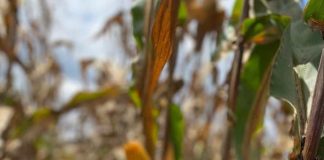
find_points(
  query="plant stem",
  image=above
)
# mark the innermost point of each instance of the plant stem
(144, 79)
(172, 65)
(316, 119)
(234, 82)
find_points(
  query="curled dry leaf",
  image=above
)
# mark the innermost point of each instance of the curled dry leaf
(162, 40)
(163, 37)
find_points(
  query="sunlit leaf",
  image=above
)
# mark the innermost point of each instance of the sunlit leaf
(88, 97)
(264, 29)
(314, 11)
(314, 14)
(135, 97)
(182, 15)
(41, 113)
(236, 12)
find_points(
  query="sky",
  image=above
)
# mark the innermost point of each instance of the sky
(78, 21)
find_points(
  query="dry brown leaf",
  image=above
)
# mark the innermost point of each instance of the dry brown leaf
(210, 18)
(163, 37)
(117, 19)
(162, 40)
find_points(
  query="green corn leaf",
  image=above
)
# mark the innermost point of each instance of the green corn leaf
(255, 79)
(314, 10)
(177, 130)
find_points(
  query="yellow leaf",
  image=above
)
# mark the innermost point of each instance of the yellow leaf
(159, 51)
(163, 36)
(135, 151)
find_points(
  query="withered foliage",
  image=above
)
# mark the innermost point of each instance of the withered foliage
(169, 103)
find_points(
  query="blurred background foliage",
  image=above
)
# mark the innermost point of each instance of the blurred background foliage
(139, 80)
